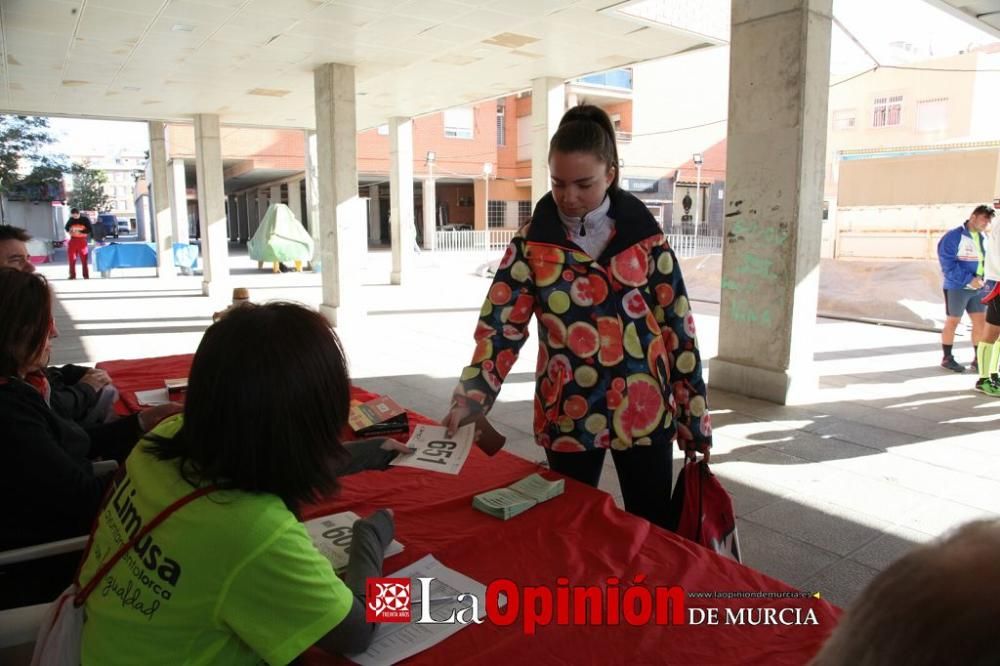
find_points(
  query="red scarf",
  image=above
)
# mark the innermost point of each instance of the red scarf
(40, 382)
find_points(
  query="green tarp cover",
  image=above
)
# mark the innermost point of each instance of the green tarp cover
(280, 237)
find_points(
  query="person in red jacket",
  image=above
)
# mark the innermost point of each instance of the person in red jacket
(80, 232)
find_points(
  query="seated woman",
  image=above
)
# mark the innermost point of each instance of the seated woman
(232, 576)
(47, 472)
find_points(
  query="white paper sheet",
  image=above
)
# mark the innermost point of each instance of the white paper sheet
(436, 452)
(333, 535)
(153, 397)
(394, 642)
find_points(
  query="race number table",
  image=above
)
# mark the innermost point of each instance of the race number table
(580, 535)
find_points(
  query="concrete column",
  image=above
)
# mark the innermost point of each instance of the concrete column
(262, 204)
(779, 74)
(430, 212)
(374, 214)
(275, 194)
(341, 224)
(233, 218)
(295, 198)
(243, 222)
(548, 101)
(312, 190)
(160, 201)
(178, 201)
(211, 206)
(401, 196)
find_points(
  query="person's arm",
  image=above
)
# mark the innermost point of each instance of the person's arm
(953, 269)
(70, 398)
(500, 334)
(62, 486)
(284, 596)
(371, 536)
(71, 401)
(673, 314)
(69, 373)
(115, 440)
(371, 454)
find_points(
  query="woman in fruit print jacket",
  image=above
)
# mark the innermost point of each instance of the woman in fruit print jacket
(618, 361)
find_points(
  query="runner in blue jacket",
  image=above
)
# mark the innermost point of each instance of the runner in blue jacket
(962, 253)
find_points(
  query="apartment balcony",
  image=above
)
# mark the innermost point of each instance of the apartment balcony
(611, 87)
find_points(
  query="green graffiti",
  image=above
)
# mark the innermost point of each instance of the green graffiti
(768, 236)
(756, 266)
(741, 312)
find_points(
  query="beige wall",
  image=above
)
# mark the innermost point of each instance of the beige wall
(972, 106)
(914, 86)
(925, 179)
(670, 93)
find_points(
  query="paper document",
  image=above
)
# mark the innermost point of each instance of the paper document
(394, 642)
(505, 503)
(435, 451)
(152, 398)
(333, 535)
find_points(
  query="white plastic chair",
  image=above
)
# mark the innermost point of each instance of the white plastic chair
(19, 626)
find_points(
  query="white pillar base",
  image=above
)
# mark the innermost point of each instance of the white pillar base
(791, 387)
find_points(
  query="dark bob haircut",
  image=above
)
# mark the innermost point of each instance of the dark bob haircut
(587, 129)
(25, 319)
(268, 397)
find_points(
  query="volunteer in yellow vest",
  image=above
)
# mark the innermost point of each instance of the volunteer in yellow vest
(961, 253)
(232, 577)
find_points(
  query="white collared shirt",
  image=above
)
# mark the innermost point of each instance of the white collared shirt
(599, 227)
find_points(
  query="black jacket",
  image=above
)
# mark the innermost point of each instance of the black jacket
(71, 398)
(48, 489)
(83, 221)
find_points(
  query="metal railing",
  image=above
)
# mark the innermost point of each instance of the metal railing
(689, 245)
(490, 240)
(495, 240)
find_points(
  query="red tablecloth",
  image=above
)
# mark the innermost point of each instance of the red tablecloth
(581, 535)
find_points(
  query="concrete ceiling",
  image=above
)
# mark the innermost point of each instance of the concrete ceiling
(983, 14)
(251, 61)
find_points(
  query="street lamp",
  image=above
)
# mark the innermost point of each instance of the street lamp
(487, 172)
(429, 196)
(697, 159)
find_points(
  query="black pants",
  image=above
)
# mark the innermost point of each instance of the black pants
(644, 472)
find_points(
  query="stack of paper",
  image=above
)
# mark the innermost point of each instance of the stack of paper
(505, 503)
(381, 416)
(394, 642)
(333, 535)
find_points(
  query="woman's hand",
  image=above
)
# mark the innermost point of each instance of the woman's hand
(383, 523)
(372, 454)
(454, 418)
(150, 417)
(692, 455)
(96, 379)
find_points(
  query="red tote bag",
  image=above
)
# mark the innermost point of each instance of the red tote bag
(702, 511)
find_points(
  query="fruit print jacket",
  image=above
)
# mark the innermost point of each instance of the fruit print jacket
(618, 361)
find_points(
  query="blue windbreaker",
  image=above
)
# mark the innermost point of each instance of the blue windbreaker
(958, 257)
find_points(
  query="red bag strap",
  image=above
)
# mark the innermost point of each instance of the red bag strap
(81, 596)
